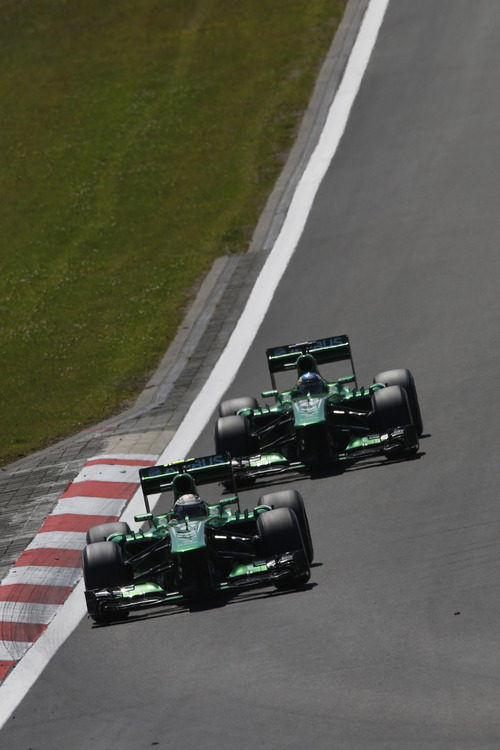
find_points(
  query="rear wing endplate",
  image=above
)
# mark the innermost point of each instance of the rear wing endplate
(332, 349)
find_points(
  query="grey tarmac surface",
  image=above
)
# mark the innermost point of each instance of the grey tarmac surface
(395, 642)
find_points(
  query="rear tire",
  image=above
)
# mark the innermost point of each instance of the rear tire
(104, 530)
(405, 379)
(233, 405)
(232, 435)
(279, 531)
(293, 500)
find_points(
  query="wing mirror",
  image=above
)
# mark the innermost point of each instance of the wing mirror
(347, 379)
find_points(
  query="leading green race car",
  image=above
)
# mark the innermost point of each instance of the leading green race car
(320, 423)
(197, 549)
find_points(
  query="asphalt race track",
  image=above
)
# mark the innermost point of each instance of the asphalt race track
(395, 642)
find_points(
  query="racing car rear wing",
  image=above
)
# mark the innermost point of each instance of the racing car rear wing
(156, 479)
(333, 349)
(232, 472)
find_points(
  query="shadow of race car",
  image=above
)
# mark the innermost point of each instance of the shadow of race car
(319, 423)
(197, 549)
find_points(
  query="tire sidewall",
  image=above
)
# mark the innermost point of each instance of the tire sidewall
(405, 379)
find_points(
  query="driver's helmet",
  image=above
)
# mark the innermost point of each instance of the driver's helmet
(190, 505)
(311, 382)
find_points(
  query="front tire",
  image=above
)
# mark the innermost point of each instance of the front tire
(391, 408)
(279, 532)
(293, 500)
(103, 566)
(232, 435)
(405, 379)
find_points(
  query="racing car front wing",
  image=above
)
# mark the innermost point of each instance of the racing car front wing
(396, 443)
(144, 596)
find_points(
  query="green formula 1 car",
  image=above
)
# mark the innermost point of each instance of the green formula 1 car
(197, 549)
(319, 423)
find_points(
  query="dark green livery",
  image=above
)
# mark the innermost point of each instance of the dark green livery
(187, 559)
(321, 423)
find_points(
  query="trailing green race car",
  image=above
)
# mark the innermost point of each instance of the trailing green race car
(197, 549)
(318, 423)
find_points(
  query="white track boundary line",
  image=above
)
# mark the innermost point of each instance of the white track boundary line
(25, 674)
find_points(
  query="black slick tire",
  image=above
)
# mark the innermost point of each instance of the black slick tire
(279, 532)
(391, 408)
(293, 500)
(103, 566)
(103, 531)
(405, 379)
(233, 405)
(232, 435)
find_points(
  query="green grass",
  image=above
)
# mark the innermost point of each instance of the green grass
(139, 142)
